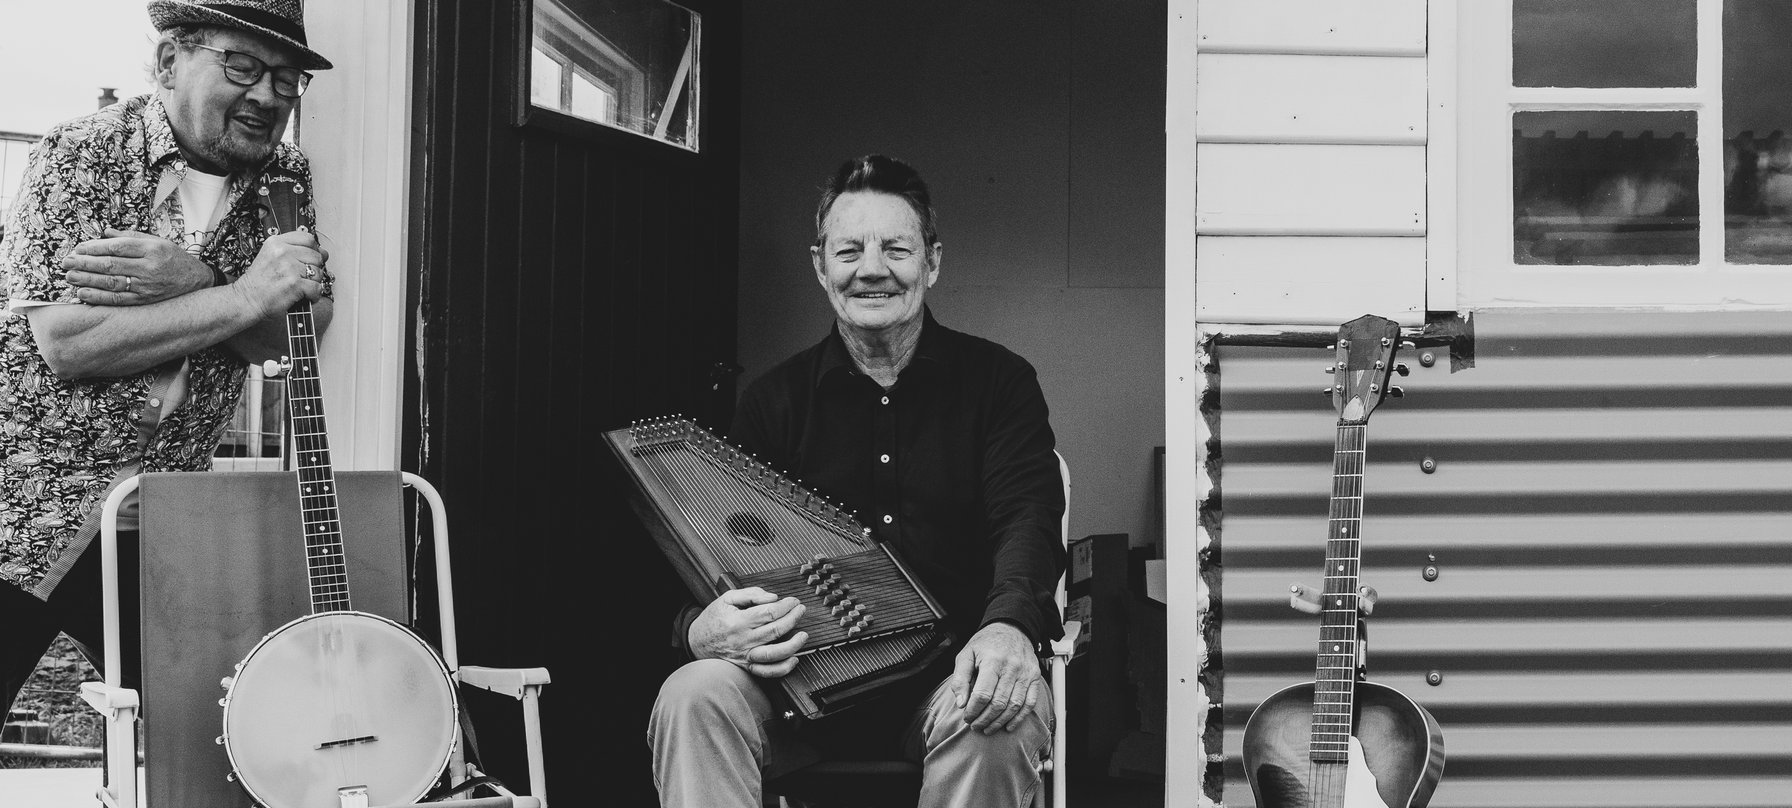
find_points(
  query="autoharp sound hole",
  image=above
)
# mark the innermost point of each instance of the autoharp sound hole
(750, 529)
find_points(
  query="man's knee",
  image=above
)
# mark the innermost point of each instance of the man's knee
(709, 686)
(946, 723)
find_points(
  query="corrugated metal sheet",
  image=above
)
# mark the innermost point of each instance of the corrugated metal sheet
(1610, 518)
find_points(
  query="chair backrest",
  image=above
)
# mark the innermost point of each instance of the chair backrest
(223, 564)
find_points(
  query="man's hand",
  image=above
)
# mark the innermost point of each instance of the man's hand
(128, 268)
(288, 268)
(996, 678)
(743, 626)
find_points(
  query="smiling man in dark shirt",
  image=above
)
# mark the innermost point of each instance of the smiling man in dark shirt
(940, 441)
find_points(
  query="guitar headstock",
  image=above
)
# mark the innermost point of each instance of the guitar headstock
(1365, 362)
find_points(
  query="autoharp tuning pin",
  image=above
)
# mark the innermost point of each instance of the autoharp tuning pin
(1396, 391)
(1331, 368)
(1402, 369)
(1407, 345)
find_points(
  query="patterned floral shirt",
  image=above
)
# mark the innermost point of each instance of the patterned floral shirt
(64, 444)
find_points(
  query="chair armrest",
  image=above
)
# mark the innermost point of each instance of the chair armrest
(512, 682)
(1066, 646)
(108, 699)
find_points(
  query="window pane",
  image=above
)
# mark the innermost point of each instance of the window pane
(1605, 188)
(1603, 43)
(592, 102)
(1757, 117)
(544, 79)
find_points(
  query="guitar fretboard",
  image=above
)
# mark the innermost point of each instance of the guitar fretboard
(324, 560)
(1334, 682)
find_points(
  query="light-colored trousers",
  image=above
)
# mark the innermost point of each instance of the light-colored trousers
(715, 735)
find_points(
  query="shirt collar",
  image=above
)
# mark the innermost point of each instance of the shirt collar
(158, 132)
(929, 351)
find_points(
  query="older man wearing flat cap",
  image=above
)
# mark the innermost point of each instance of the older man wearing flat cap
(140, 288)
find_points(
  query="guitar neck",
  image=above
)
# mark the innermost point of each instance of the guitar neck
(324, 559)
(1334, 681)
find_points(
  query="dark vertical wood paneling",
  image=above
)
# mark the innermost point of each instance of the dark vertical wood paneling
(562, 284)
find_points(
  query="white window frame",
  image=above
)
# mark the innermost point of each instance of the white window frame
(1486, 100)
(569, 41)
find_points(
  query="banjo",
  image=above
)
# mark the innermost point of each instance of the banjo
(338, 708)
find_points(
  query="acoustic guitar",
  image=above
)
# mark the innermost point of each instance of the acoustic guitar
(338, 707)
(1341, 741)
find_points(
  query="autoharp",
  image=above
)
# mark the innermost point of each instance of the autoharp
(727, 521)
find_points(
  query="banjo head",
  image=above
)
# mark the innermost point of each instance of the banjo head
(339, 699)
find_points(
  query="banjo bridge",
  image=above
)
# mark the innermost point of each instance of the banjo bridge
(348, 741)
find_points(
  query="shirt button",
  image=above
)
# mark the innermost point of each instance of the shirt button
(155, 402)
(886, 399)
(883, 458)
(888, 518)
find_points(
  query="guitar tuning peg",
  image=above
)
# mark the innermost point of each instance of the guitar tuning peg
(1396, 391)
(1402, 369)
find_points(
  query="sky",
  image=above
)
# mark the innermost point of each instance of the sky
(55, 55)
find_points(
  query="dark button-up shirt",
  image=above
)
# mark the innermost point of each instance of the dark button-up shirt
(953, 466)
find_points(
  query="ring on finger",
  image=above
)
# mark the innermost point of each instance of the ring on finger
(310, 272)
(127, 283)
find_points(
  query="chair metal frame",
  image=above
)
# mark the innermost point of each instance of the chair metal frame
(1061, 652)
(119, 705)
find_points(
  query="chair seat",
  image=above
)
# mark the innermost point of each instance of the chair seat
(851, 784)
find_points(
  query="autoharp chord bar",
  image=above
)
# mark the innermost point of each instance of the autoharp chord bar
(847, 598)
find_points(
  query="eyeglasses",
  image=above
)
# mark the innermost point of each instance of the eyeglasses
(245, 70)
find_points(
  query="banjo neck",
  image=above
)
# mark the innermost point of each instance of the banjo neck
(325, 564)
(282, 197)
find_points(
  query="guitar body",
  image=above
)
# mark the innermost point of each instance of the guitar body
(1397, 743)
(337, 700)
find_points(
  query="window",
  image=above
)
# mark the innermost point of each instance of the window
(1625, 153)
(628, 64)
(255, 439)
